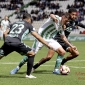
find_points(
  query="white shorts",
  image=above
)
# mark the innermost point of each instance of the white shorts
(38, 45)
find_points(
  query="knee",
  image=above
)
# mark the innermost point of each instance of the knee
(62, 53)
(74, 52)
(31, 53)
(77, 54)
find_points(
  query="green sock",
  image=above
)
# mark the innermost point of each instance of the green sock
(23, 61)
(58, 61)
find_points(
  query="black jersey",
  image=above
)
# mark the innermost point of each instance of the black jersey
(19, 30)
(69, 27)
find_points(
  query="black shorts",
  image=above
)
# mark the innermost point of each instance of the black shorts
(64, 45)
(19, 47)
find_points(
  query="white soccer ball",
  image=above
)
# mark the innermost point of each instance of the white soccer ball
(65, 70)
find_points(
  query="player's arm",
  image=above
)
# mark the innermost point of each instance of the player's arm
(81, 25)
(36, 35)
(54, 17)
(67, 42)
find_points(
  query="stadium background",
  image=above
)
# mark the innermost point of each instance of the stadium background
(40, 10)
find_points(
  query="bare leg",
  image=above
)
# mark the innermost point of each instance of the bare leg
(74, 54)
(49, 56)
(43, 60)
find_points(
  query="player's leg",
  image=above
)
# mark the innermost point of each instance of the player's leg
(4, 50)
(45, 59)
(61, 53)
(65, 46)
(73, 54)
(22, 62)
(24, 50)
(29, 66)
(35, 47)
(57, 47)
(1, 53)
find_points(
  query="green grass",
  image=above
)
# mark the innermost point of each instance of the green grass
(43, 73)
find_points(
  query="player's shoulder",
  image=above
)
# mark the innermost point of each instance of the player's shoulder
(20, 22)
(58, 17)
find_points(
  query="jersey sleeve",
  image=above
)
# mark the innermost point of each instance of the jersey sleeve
(81, 25)
(57, 17)
(31, 28)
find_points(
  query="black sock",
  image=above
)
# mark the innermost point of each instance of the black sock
(63, 61)
(36, 65)
(30, 64)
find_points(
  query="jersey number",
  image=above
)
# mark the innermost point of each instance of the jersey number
(17, 29)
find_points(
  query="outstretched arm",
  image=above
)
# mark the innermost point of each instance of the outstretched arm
(81, 25)
(67, 42)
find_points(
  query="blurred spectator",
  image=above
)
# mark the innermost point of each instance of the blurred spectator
(18, 12)
(4, 26)
(1, 33)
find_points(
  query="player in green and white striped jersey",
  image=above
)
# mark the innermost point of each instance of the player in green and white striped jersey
(47, 31)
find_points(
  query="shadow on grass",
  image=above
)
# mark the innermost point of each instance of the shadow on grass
(43, 71)
(11, 76)
(38, 72)
(21, 72)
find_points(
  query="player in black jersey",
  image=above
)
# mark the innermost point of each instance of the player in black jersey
(74, 53)
(13, 41)
(73, 15)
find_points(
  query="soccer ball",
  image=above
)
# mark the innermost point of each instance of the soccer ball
(64, 70)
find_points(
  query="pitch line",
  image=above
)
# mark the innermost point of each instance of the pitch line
(48, 62)
(36, 62)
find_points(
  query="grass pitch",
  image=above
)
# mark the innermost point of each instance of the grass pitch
(44, 72)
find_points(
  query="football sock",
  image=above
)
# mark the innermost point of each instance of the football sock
(36, 65)
(23, 61)
(43, 60)
(30, 64)
(58, 61)
(63, 61)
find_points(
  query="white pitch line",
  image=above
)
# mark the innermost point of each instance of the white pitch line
(36, 62)
(68, 61)
(69, 66)
(48, 62)
(76, 67)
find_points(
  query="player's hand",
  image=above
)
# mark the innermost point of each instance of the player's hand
(74, 47)
(56, 21)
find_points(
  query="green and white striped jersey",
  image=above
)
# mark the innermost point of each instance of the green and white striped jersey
(50, 28)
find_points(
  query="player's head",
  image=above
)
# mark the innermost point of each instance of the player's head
(73, 13)
(27, 17)
(65, 18)
(6, 18)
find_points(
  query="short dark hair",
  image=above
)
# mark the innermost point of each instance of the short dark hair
(72, 10)
(26, 16)
(66, 15)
